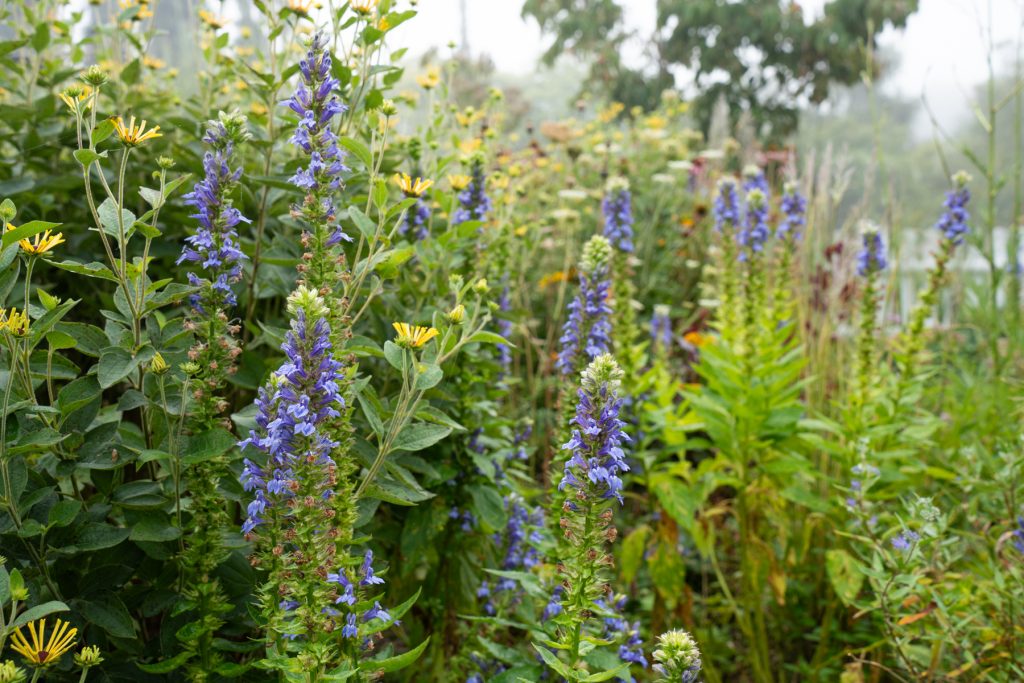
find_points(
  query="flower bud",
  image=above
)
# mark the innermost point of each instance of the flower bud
(89, 656)
(95, 76)
(457, 315)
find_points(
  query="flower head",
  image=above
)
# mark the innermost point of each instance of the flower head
(459, 181)
(587, 331)
(77, 97)
(430, 79)
(871, 258)
(42, 651)
(410, 187)
(39, 243)
(11, 673)
(88, 657)
(14, 322)
(618, 214)
(413, 336)
(794, 210)
(677, 657)
(363, 7)
(134, 135)
(953, 222)
(210, 19)
(597, 456)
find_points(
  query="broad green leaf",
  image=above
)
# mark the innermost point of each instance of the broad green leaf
(416, 437)
(27, 230)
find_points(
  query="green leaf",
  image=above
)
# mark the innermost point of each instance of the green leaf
(166, 666)
(87, 156)
(489, 506)
(26, 230)
(552, 660)
(485, 337)
(360, 150)
(111, 615)
(394, 355)
(94, 269)
(207, 445)
(63, 513)
(154, 530)
(115, 364)
(395, 493)
(108, 219)
(40, 611)
(97, 536)
(363, 223)
(429, 377)
(103, 130)
(416, 437)
(631, 556)
(606, 675)
(845, 574)
(60, 340)
(378, 666)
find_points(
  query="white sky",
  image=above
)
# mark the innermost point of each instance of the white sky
(942, 51)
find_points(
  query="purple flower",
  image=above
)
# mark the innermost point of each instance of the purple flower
(587, 331)
(369, 578)
(794, 210)
(618, 215)
(904, 541)
(726, 208)
(350, 630)
(417, 220)
(755, 230)
(316, 103)
(291, 408)
(215, 246)
(871, 257)
(474, 204)
(953, 222)
(554, 606)
(597, 457)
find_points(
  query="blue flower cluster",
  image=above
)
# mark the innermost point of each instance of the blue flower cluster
(366, 578)
(953, 222)
(871, 257)
(554, 606)
(755, 230)
(726, 208)
(1018, 535)
(905, 540)
(587, 331)
(417, 220)
(316, 102)
(794, 214)
(215, 245)
(474, 204)
(755, 179)
(299, 397)
(618, 214)
(617, 628)
(597, 456)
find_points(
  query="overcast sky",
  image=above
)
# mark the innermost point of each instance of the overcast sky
(942, 51)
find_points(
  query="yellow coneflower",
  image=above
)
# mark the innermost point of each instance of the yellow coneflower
(383, 24)
(554, 278)
(413, 335)
(153, 62)
(14, 322)
(470, 146)
(459, 181)
(210, 19)
(43, 652)
(430, 79)
(363, 7)
(410, 187)
(133, 135)
(77, 95)
(302, 7)
(696, 338)
(39, 243)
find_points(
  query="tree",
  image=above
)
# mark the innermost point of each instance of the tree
(762, 56)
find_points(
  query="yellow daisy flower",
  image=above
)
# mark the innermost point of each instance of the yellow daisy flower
(132, 135)
(14, 322)
(413, 336)
(410, 187)
(459, 181)
(210, 19)
(39, 243)
(43, 652)
(77, 94)
(363, 7)
(431, 79)
(302, 7)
